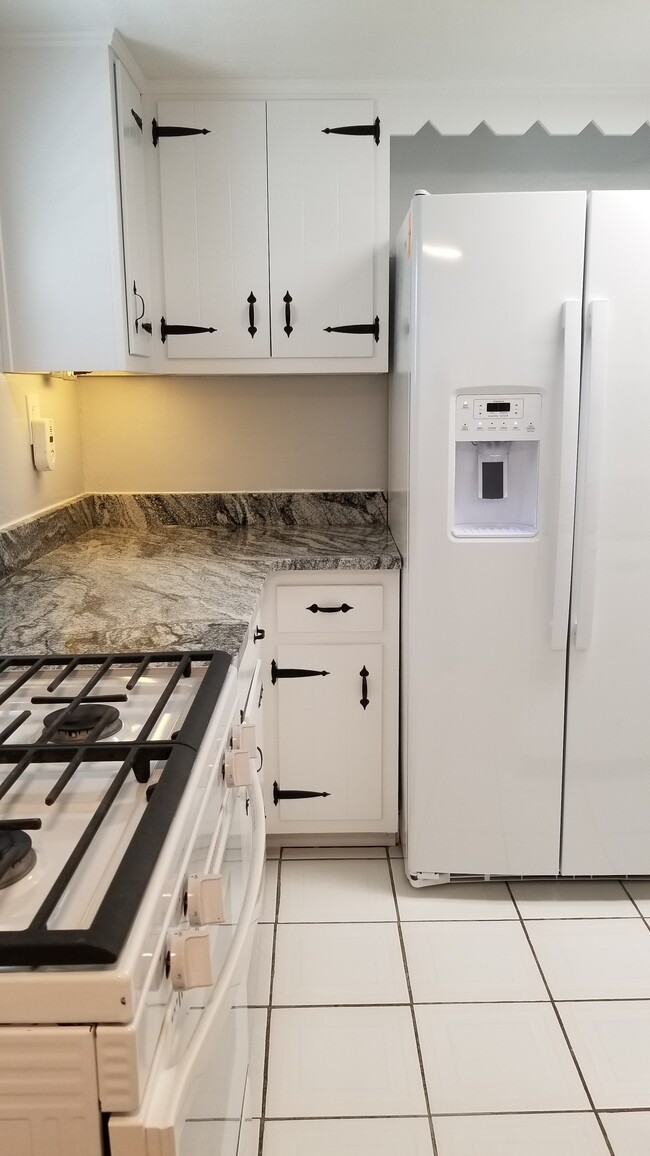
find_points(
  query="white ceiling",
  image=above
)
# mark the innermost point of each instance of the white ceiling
(531, 43)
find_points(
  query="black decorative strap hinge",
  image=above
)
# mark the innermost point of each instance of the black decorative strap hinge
(372, 130)
(278, 794)
(374, 328)
(180, 330)
(137, 119)
(293, 672)
(158, 130)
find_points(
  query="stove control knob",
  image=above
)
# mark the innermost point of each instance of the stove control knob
(243, 737)
(188, 956)
(238, 769)
(205, 900)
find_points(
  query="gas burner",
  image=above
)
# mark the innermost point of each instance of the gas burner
(79, 722)
(17, 857)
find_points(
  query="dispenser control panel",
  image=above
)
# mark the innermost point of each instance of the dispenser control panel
(498, 417)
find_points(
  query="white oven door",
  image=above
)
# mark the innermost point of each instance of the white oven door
(194, 1105)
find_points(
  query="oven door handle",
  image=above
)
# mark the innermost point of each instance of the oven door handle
(174, 1084)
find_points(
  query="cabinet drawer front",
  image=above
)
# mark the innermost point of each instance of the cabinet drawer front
(329, 609)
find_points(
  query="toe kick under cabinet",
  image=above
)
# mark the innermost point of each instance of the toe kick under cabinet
(331, 702)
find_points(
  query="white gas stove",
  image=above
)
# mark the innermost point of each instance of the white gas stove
(131, 853)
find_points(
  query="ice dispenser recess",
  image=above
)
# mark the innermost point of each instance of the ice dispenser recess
(496, 465)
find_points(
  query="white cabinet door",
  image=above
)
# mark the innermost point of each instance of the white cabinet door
(214, 228)
(327, 739)
(131, 144)
(321, 228)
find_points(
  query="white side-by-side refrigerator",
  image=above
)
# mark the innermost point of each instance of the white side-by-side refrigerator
(520, 500)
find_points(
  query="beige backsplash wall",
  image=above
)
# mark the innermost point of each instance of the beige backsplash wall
(234, 433)
(23, 490)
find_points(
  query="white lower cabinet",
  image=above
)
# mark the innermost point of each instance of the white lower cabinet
(330, 703)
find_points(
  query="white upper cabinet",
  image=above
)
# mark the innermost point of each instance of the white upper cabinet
(268, 226)
(214, 229)
(60, 212)
(131, 138)
(321, 227)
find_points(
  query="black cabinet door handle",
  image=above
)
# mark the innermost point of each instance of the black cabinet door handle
(252, 328)
(342, 609)
(140, 315)
(288, 327)
(364, 675)
(278, 794)
(293, 672)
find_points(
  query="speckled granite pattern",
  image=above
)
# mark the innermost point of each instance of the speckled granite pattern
(168, 588)
(29, 540)
(317, 508)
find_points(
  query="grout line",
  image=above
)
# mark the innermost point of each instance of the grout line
(425, 1090)
(634, 903)
(267, 1038)
(462, 1115)
(561, 1024)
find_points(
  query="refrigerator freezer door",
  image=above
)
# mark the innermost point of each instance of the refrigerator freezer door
(606, 827)
(483, 664)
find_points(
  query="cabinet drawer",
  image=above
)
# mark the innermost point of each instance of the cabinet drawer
(329, 609)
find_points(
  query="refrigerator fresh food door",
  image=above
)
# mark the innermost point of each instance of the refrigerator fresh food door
(495, 354)
(606, 826)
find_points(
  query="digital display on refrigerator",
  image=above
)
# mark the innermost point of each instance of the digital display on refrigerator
(498, 407)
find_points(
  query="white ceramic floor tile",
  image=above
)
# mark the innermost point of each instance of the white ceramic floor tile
(452, 900)
(611, 1041)
(332, 891)
(334, 853)
(396, 851)
(338, 963)
(267, 914)
(497, 1058)
(205, 1137)
(259, 976)
(573, 899)
(628, 1132)
(462, 962)
(250, 1140)
(257, 1041)
(593, 958)
(640, 893)
(343, 1062)
(349, 1137)
(561, 1134)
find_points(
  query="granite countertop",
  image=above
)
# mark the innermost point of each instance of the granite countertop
(168, 587)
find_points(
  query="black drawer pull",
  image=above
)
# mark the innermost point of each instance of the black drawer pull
(259, 634)
(364, 675)
(293, 672)
(278, 794)
(342, 609)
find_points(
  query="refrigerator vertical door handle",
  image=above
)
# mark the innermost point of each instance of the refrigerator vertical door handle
(572, 325)
(589, 482)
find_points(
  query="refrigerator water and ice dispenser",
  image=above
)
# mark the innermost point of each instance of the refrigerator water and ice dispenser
(496, 465)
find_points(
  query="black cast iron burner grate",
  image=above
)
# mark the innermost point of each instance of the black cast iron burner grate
(101, 943)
